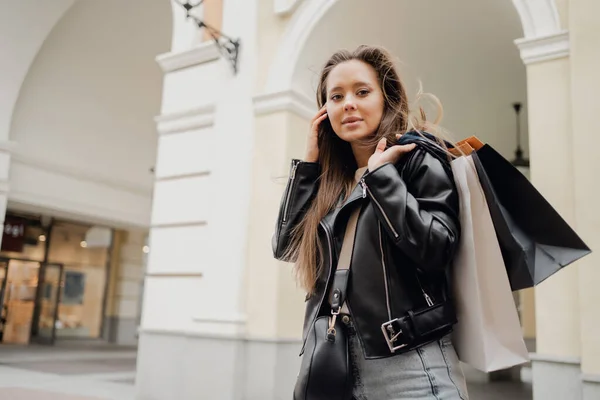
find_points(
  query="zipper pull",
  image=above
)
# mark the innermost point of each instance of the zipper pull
(293, 174)
(427, 299)
(364, 188)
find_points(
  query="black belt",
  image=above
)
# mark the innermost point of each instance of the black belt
(418, 327)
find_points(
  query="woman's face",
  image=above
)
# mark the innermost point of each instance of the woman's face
(354, 100)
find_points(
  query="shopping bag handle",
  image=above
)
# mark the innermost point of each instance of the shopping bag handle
(466, 146)
(472, 141)
(461, 149)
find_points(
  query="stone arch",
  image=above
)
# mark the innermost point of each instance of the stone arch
(539, 18)
(93, 75)
(27, 26)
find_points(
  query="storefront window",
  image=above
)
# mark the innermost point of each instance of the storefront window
(83, 281)
(21, 254)
(19, 300)
(69, 299)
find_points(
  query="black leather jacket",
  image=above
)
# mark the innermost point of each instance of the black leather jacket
(406, 237)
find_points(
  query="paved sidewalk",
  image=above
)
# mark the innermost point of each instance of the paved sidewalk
(500, 391)
(67, 371)
(26, 394)
(80, 371)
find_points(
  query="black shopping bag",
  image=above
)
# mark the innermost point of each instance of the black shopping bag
(535, 240)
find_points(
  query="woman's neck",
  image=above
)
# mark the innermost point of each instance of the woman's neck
(361, 154)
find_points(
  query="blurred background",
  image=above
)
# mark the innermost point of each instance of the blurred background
(145, 146)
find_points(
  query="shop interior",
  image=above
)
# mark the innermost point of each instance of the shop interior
(53, 278)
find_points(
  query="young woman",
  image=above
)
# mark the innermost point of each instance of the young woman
(398, 311)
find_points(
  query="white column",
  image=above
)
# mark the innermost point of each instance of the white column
(585, 84)
(193, 307)
(556, 361)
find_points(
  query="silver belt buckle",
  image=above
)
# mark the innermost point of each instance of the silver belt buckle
(391, 336)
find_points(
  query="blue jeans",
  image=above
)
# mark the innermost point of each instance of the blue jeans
(430, 372)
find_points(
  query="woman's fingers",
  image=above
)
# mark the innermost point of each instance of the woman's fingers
(312, 146)
(319, 117)
(405, 148)
(381, 146)
(381, 156)
(320, 113)
(397, 151)
(317, 122)
(402, 149)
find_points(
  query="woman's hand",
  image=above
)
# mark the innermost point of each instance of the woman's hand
(312, 143)
(391, 155)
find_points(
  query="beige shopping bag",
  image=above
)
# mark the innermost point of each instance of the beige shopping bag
(488, 334)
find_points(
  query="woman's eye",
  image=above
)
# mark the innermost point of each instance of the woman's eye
(363, 92)
(336, 97)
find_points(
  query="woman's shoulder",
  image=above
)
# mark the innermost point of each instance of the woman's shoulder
(422, 162)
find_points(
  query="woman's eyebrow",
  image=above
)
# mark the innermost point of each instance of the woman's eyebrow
(355, 84)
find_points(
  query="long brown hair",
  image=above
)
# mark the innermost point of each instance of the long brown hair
(336, 158)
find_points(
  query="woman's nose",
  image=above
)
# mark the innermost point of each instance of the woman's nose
(350, 105)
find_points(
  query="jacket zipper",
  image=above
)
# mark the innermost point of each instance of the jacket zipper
(328, 271)
(425, 295)
(289, 192)
(385, 278)
(365, 190)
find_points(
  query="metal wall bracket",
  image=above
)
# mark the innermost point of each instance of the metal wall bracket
(228, 47)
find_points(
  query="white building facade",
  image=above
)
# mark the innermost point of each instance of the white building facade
(126, 115)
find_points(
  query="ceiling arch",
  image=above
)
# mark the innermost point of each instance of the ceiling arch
(24, 26)
(539, 18)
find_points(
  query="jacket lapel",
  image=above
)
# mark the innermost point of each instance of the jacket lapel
(338, 217)
(343, 211)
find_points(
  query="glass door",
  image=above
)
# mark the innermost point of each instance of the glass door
(48, 299)
(3, 306)
(18, 300)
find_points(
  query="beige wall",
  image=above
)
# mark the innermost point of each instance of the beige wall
(562, 6)
(213, 16)
(565, 167)
(262, 272)
(131, 273)
(275, 304)
(557, 308)
(527, 312)
(291, 305)
(126, 275)
(270, 29)
(585, 86)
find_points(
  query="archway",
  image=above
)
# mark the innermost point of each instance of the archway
(83, 122)
(539, 18)
(78, 142)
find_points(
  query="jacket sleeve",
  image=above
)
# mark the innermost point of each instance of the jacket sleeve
(418, 208)
(300, 190)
